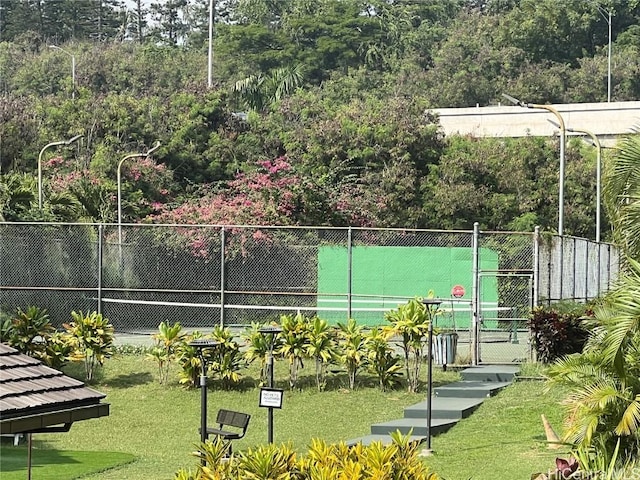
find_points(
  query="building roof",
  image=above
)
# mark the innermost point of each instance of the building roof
(36, 398)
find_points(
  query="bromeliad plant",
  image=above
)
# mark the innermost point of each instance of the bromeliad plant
(91, 337)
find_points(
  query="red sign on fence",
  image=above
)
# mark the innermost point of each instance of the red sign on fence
(457, 291)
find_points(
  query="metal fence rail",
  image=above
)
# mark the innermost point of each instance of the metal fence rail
(203, 275)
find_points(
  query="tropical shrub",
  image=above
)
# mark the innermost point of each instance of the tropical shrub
(294, 343)
(558, 330)
(91, 338)
(226, 357)
(321, 347)
(30, 331)
(603, 405)
(189, 360)
(167, 341)
(352, 345)
(258, 348)
(411, 322)
(399, 460)
(383, 363)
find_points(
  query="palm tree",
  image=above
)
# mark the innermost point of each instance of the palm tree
(259, 92)
(621, 194)
(604, 381)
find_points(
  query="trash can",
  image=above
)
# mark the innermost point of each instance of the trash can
(445, 348)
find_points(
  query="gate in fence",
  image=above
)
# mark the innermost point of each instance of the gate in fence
(203, 276)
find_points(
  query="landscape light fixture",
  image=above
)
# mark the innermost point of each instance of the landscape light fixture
(271, 331)
(52, 144)
(563, 136)
(201, 345)
(432, 305)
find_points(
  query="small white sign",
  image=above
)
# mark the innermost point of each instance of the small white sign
(271, 397)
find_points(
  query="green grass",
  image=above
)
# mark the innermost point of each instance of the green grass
(159, 423)
(56, 465)
(504, 438)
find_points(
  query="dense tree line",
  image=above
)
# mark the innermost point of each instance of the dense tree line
(317, 115)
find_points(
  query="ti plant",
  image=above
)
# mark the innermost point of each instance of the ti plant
(91, 337)
(382, 362)
(353, 348)
(167, 342)
(411, 322)
(227, 358)
(294, 337)
(257, 349)
(321, 347)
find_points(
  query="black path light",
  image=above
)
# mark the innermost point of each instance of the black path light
(202, 344)
(432, 305)
(270, 397)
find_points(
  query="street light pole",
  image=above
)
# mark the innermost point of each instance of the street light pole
(212, 6)
(607, 18)
(563, 138)
(596, 143)
(52, 144)
(73, 69)
(119, 182)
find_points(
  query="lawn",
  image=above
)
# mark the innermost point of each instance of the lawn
(159, 423)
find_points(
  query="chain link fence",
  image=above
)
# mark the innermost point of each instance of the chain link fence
(203, 276)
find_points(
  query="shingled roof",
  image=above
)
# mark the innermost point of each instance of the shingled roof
(36, 398)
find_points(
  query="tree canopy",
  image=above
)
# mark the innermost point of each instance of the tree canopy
(337, 90)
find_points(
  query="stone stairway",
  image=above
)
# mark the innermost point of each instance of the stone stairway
(450, 404)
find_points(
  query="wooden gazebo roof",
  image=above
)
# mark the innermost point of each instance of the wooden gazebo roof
(36, 398)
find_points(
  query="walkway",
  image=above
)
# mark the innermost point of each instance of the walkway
(450, 404)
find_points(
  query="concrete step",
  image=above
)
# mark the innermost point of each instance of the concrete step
(490, 373)
(417, 426)
(444, 407)
(470, 389)
(385, 439)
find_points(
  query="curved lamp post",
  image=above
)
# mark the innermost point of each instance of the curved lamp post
(596, 143)
(119, 182)
(563, 138)
(48, 145)
(432, 305)
(73, 68)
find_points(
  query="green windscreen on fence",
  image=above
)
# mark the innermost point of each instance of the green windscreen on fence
(384, 277)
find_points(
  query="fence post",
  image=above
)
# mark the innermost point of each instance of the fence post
(222, 274)
(349, 271)
(475, 296)
(99, 272)
(536, 266)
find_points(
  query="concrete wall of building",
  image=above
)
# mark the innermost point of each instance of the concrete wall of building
(606, 120)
